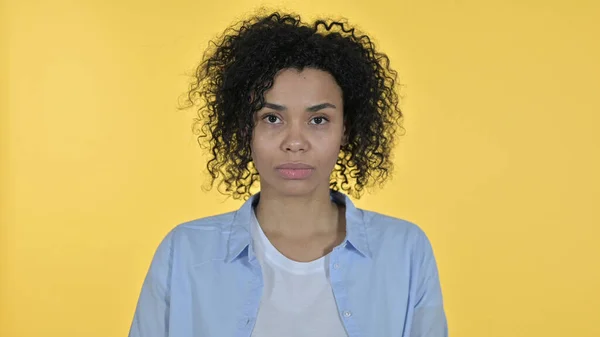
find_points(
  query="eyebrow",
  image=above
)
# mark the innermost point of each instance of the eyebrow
(313, 108)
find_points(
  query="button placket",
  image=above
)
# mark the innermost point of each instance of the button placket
(254, 292)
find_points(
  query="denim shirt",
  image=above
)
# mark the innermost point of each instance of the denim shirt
(205, 280)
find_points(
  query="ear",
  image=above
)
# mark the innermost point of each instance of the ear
(344, 137)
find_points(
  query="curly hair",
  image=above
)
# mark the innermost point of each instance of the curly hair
(239, 66)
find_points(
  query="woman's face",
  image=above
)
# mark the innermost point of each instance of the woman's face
(298, 133)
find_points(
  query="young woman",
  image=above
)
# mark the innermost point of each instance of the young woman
(310, 111)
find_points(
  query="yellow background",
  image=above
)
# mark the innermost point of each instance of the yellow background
(500, 163)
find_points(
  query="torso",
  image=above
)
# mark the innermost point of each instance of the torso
(216, 286)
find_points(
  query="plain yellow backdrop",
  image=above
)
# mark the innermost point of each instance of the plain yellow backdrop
(499, 165)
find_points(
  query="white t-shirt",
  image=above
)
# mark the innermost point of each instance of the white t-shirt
(297, 299)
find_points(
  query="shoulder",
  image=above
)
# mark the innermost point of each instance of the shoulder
(386, 231)
(209, 223)
(199, 239)
(204, 227)
(379, 222)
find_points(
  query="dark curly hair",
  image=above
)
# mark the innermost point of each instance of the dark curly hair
(240, 65)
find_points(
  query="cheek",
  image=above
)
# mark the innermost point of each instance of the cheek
(330, 153)
(260, 147)
(334, 154)
(333, 140)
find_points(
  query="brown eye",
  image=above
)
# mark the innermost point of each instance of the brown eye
(319, 120)
(271, 119)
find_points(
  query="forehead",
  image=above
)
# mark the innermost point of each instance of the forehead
(306, 86)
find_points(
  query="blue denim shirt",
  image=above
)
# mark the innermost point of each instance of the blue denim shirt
(205, 281)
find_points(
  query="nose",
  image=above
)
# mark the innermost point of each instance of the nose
(295, 139)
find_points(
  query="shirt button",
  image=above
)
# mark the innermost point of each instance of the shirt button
(336, 266)
(347, 314)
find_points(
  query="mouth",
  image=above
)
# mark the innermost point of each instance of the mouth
(295, 171)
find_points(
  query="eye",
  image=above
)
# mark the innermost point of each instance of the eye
(272, 119)
(320, 120)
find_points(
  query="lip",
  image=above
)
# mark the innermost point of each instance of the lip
(295, 171)
(294, 166)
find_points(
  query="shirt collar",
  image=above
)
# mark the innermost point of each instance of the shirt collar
(239, 242)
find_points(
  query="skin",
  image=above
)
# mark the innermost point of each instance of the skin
(302, 122)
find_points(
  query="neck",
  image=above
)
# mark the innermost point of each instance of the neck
(298, 216)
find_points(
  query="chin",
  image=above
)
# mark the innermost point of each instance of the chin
(294, 188)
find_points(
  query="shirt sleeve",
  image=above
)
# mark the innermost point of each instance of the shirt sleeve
(151, 318)
(429, 319)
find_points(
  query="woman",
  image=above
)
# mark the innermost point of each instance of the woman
(311, 111)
